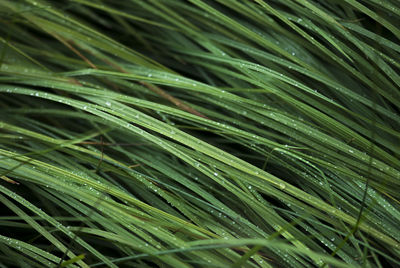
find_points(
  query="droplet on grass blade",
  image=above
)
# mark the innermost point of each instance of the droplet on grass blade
(282, 185)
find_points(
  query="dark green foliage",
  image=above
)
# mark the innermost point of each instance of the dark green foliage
(199, 133)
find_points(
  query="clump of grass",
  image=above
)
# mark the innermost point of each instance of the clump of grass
(199, 133)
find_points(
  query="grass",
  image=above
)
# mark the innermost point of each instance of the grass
(168, 133)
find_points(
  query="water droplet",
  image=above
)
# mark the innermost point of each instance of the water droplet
(282, 185)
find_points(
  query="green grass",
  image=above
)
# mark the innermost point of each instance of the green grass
(171, 133)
